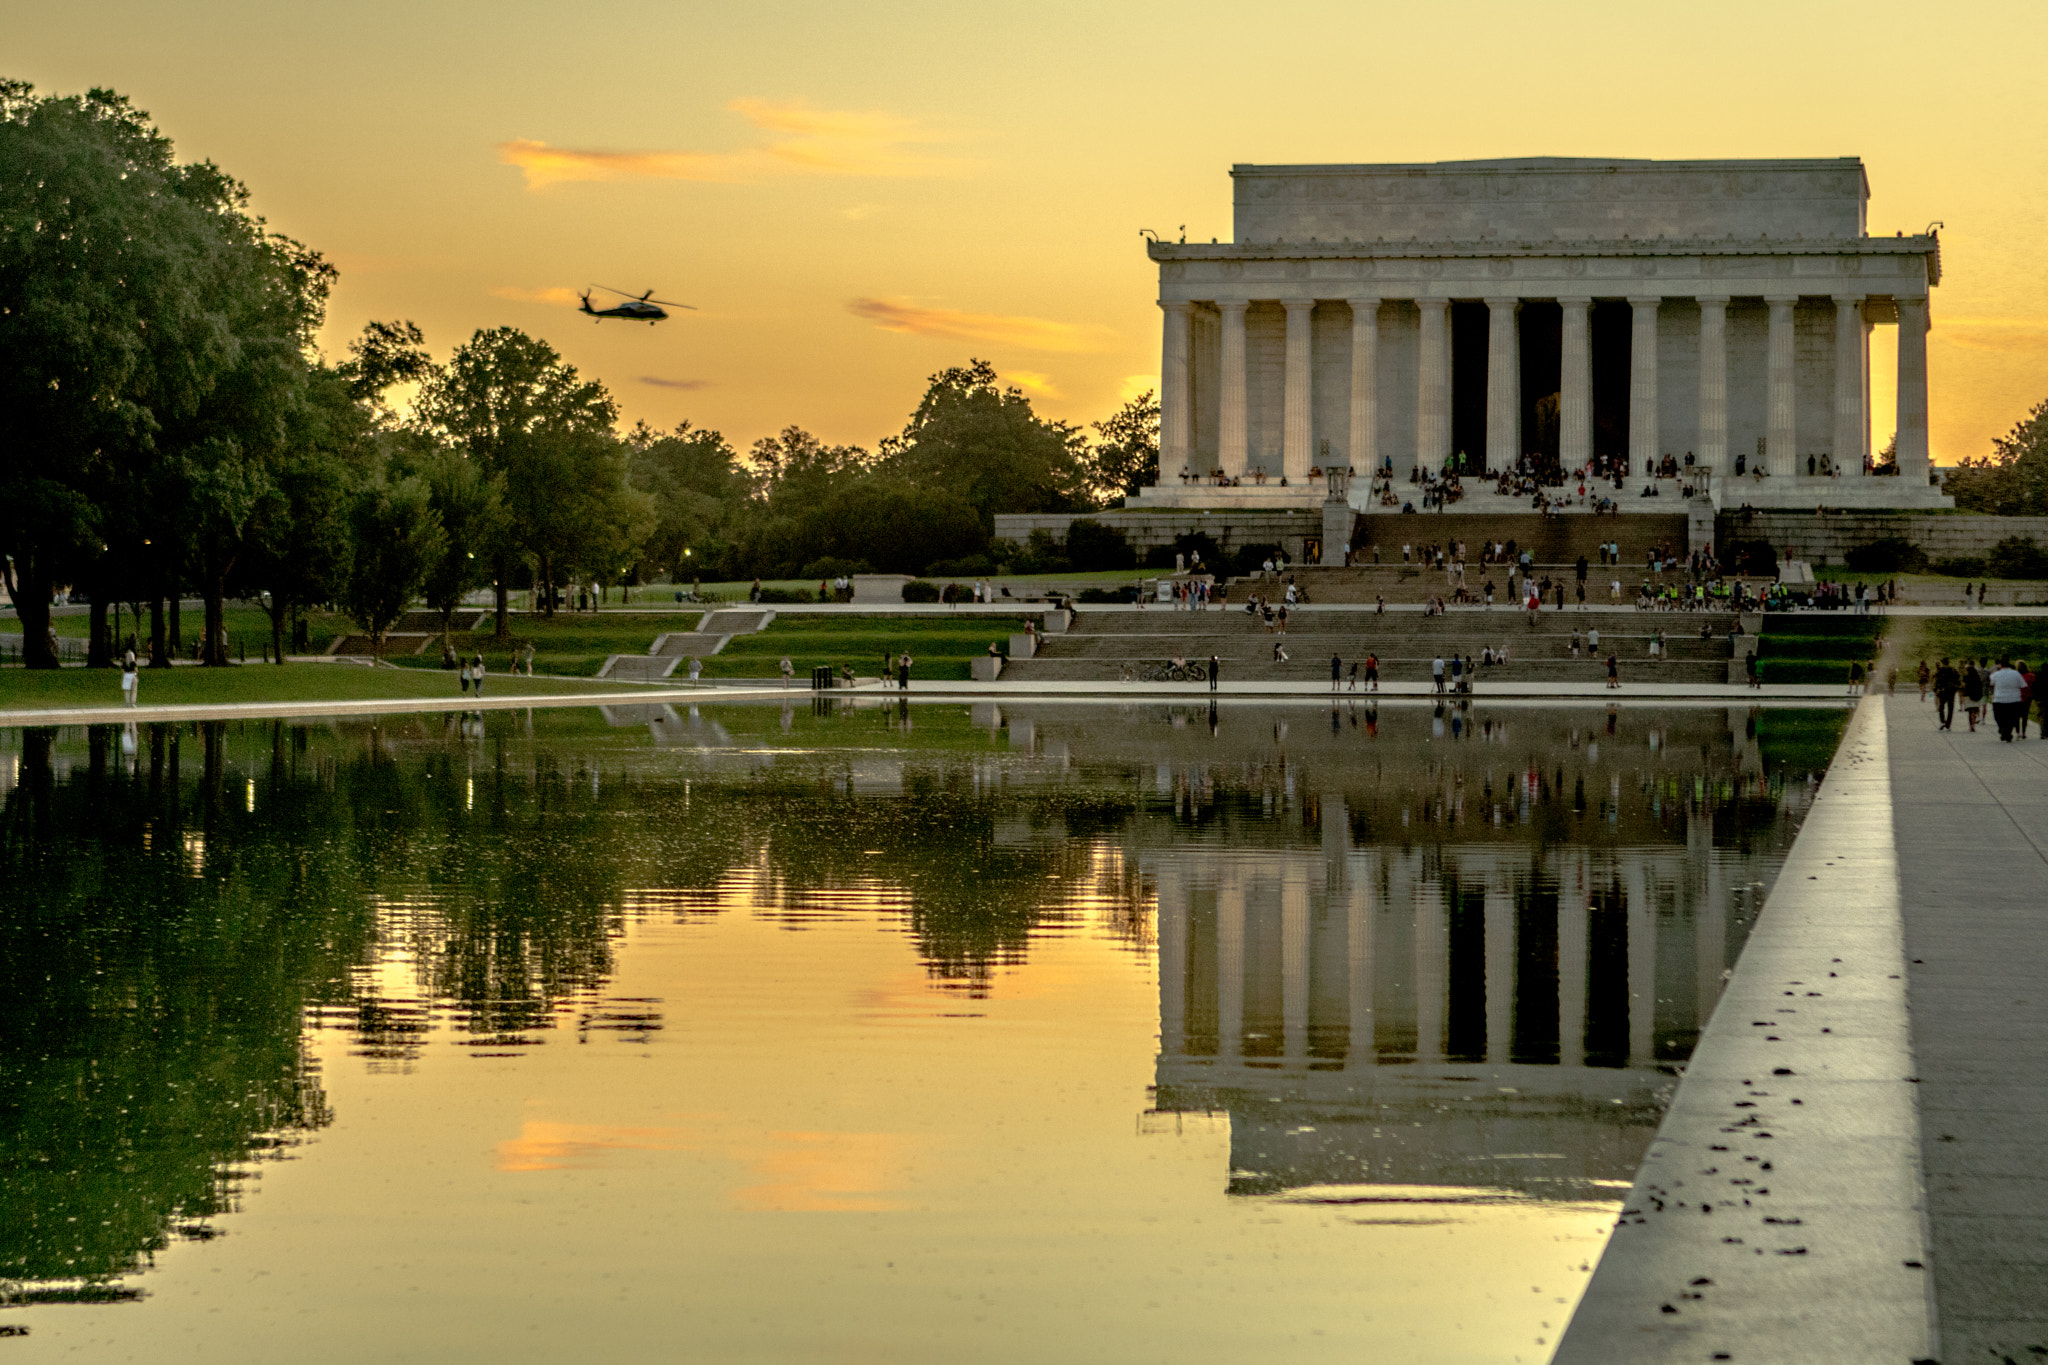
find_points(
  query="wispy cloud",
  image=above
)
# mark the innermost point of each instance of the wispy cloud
(1992, 334)
(1033, 334)
(685, 384)
(549, 294)
(1034, 382)
(1135, 385)
(819, 141)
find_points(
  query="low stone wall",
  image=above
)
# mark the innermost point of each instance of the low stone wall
(1825, 540)
(1230, 528)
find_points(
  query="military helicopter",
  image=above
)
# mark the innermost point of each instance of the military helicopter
(636, 308)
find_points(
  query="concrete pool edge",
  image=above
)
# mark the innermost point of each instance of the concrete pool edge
(1795, 694)
(1780, 1213)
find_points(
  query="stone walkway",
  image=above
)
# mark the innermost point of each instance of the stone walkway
(1971, 821)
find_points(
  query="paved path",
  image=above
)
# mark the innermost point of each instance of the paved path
(1971, 816)
(1777, 1216)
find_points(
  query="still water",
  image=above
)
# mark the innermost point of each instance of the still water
(817, 1032)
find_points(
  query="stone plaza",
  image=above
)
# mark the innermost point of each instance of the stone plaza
(1709, 321)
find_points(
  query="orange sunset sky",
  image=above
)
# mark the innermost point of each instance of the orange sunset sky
(856, 195)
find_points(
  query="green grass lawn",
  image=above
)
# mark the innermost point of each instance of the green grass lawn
(30, 689)
(940, 645)
(1817, 647)
(1968, 637)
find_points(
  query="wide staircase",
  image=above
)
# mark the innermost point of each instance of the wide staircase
(1101, 646)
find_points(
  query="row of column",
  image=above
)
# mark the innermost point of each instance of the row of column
(1430, 968)
(1575, 400)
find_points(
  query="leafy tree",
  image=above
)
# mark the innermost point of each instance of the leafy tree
(1126, 454)
(524, 415)
(470, 506)
(149, 325)
(983, 443)
(398, 541)
(1092, 546)
(2013, 479)
(386, 354)
(695, 484)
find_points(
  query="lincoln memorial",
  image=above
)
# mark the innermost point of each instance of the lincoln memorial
(1386, 319)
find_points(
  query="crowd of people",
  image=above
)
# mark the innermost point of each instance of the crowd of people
(2006, 689)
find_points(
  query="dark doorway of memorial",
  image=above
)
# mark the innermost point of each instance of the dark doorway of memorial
(1541, 324)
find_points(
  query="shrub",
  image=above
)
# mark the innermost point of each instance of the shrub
(1092, 547)
(788, 595)
(1251, 558)
(917, 590)
(830, 566)
(1888, 554)
(2017, 557)
(969, 566)
(1963, 566)
(1109, 595)
(1041, 554)
(1756, 556)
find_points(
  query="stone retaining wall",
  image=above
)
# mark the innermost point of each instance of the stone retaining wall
(1825, 540)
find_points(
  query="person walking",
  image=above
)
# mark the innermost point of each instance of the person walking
(1973, 692)
(1613, 672)
(476, 672)
(465, 677)
(696, 669)
(2008, 686)
(1372, 672)
(2026, 695)
(1946, 683)
(1925, 675)
(131, 678)
(789, 669)
(1215, 671)
(1354, 675)
(1749, 669)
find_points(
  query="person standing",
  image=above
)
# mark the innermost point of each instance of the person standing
(1372, 671)
(131, 678)
(1336, 672)
(2026, 696)
(696, 669)
(1946, 683)
(476, 672)
(789, 669)
(903, 662)
(1613, 672)
(465, 677)
(1215, 671)
(1436, 672)
(1749, 669)
(2006, 688)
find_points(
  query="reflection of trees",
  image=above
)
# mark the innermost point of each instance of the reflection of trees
(150, 1000)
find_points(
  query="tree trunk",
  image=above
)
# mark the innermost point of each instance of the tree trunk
(504, 597)
(547, 580)
(278, 611)
(98, 654)
(177, 617)
(159, 646)
(213, 650)
(29, 587)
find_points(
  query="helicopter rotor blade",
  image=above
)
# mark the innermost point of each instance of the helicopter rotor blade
(668, 303)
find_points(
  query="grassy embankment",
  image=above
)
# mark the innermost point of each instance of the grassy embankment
(1816, 647)
(35, 689)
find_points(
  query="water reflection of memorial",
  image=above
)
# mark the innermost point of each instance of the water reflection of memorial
(1458, 995)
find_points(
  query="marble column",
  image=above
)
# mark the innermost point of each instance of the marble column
(1365, 398)
(1294, 950)
(1642, 964)
(1713, 418)
(1433, 396)
(1848, 451)
(1575, 385)
(1363, 1050)
(1781, 410)
(1297, 445)
(1230, 442)
(1500, 973)
(1432, 970)
(1174, 426)
(1573, 920)
(1643, 436)
(1503, 385)
(1170, 927)
(1913, 454)
(1230, 968)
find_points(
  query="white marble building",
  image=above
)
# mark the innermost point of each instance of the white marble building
(1387, 316)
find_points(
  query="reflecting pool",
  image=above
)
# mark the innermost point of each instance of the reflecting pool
(872, 1032)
